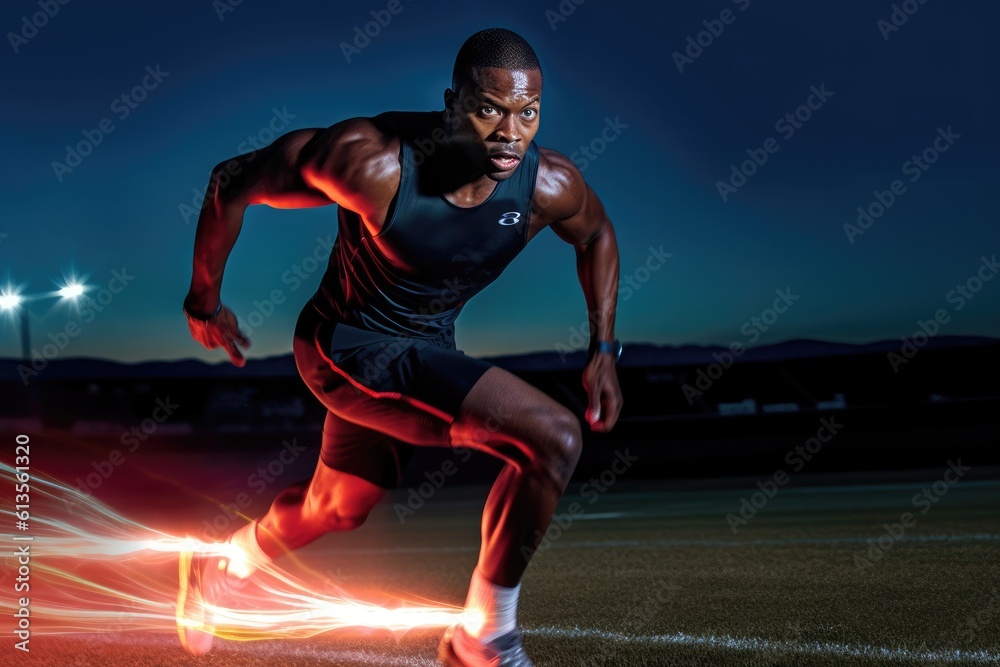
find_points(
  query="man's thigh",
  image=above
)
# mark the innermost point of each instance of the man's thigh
(488, 408)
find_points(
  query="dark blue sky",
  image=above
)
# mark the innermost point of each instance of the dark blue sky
(220, 81)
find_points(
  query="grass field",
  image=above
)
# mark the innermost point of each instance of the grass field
(652, 573)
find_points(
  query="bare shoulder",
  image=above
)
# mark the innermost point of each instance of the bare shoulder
(560, 191)
(355, 162)
(354, 144)
(565, 202)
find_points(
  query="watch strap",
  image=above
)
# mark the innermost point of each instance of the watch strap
(201, 317)
(613, 348)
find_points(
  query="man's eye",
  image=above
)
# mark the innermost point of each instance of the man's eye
(488, 110)
(530, 113)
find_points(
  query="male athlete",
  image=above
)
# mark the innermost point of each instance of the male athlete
(432, 208)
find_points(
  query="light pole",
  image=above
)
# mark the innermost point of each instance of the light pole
(13, 301)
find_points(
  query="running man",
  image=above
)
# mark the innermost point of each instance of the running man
(432, 207)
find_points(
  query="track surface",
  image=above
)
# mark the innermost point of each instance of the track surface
(651, 573)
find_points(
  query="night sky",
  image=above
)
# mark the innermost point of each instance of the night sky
(216, 73)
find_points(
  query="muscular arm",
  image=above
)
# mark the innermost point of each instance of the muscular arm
(351, 163)
(597, 268)
(577, 216)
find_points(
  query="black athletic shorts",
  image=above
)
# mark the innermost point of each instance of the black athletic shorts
(429, 374)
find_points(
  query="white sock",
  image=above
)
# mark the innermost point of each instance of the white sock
(246, 539)
(498, 605)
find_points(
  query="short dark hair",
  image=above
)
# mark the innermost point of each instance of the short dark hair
(493, 47)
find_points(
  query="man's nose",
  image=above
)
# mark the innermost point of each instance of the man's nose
(507, 130)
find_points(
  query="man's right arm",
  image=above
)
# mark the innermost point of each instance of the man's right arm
(272, 175)
(350, 163)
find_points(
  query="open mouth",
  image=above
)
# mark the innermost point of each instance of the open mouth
(504, 161)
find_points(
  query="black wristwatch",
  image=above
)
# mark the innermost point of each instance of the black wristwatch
(614, 348)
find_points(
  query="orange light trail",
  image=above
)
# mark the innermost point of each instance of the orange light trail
(95, 570)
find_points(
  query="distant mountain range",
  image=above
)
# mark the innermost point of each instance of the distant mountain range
(635, 355)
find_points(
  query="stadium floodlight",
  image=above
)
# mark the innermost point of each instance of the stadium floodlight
(9, 300)
(71, 290)
(12, 300)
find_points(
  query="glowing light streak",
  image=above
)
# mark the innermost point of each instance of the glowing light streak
(95, 570)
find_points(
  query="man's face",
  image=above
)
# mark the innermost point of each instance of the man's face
(495, 115)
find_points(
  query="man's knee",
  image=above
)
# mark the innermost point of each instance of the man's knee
(560, 446)
(545, 441)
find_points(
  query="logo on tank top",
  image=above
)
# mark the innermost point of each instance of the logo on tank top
(511, 218)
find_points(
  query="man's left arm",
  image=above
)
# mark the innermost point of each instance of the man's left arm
(579, 218)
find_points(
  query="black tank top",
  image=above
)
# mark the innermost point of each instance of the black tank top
(414, 276)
